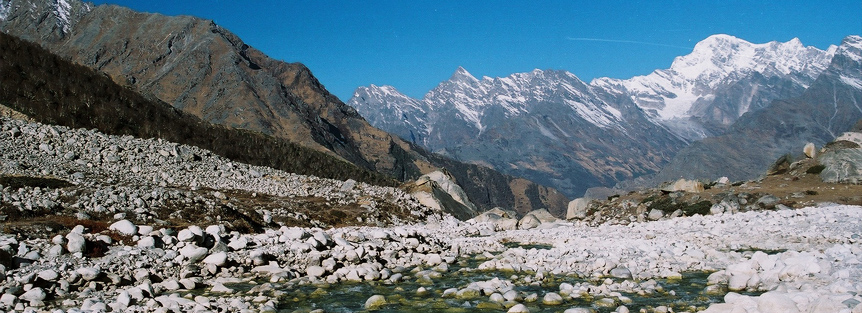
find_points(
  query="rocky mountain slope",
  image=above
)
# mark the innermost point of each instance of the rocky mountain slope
(52, 90)
(553, 128)
(197, 66)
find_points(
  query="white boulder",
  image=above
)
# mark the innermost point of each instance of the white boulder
(124, 227)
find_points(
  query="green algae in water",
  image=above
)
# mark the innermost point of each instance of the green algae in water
(754, 249)
(527, 246)
(688, 294)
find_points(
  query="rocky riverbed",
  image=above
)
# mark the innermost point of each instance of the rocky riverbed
(102, 223)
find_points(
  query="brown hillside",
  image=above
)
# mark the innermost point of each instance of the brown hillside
(203, 69)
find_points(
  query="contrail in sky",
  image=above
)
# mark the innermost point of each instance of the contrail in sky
(625, 41)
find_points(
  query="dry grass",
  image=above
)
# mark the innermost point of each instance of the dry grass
(16, 182)
(798, 186)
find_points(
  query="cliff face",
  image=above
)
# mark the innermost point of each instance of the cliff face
(201, 68)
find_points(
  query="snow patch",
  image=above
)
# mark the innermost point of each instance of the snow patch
(545, 132)
(686, 129)
(852, 82)
(469, 115)
(559, 129)
(5, 8)
(595, 115)
(63, 12)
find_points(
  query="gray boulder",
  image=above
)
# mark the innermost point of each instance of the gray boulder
(725, 206)
(76, 242)
(503, 213)
(577, 209)
(768, 201)
(439, 191)
(35, 294)
(543, 216)
(375, 302)
(487, 217)
(686, 185)
(655, 214)
(621, 272)
(841, 166)
(529, 222)
(507, 224)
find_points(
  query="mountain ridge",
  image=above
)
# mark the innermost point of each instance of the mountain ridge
(471, 119)
(691, 80)
(461, 115)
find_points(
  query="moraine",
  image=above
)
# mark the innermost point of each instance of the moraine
(805, 259)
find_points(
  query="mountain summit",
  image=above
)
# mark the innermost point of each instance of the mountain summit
(715, 84)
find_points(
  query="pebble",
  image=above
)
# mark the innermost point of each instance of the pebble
(49, 275)
(193, 253)
(315, 271)
(89, 273)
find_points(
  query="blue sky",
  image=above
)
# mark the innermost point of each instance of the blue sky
(413, 45)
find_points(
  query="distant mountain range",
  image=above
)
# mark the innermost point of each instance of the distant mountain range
(553, 128)
(203, 69)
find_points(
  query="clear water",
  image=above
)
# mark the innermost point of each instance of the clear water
(687, 294)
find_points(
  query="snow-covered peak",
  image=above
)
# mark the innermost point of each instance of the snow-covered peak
(719, 56)
(462, 75)
(717, 60)
(385, 96)
(386, 91)
(517, 93)
(379, 102)
(851, 47)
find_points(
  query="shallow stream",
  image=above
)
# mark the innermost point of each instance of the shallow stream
(686, 294)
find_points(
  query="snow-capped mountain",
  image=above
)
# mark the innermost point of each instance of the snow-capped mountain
(694, 85)
(514, 93)
(547, 126)
(553, 128)
(831, 105)
(475, 103)
(410, 114)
